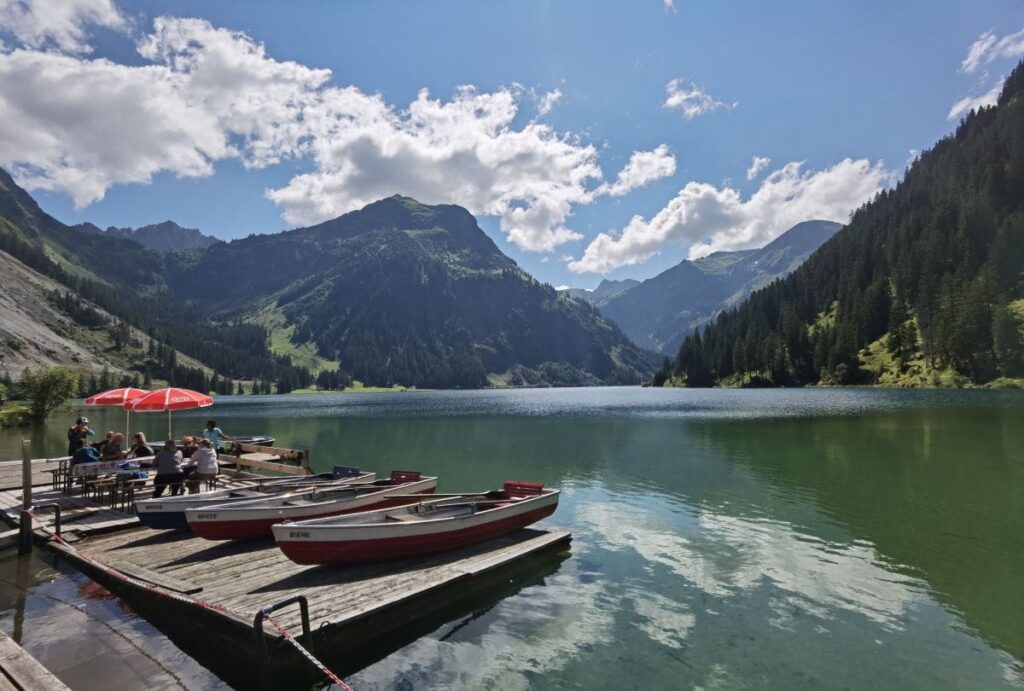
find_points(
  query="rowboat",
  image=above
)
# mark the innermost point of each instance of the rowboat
(168, 513)
(425, 527)
(254, 517)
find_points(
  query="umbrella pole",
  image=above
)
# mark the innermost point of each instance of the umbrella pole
(169, 436)
(127, 423)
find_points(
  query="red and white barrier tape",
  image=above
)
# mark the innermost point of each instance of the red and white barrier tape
(308, 655)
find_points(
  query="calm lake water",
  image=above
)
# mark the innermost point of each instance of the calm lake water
(813, 538)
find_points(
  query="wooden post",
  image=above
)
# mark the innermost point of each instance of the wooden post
(25, 525)
(26, 475)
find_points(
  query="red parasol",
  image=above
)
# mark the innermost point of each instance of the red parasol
(117, 397)
(168, 399)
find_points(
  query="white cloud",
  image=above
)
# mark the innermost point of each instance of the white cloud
(643, 168)
(691, 100)
(968, 103)
(988, 48)
(57, 24)
(463, 150)
(670, 5)
(707, 219)
(79, 126)
(757, 164)
(547, 101)
(206, 94)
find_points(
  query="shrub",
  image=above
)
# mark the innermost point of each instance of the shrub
(48, 389)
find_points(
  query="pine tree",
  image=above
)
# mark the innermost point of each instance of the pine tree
(1007, 342)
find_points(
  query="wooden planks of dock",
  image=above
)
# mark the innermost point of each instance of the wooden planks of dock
(10, 472)
(19, 670)
(211, 591)
(206, 594)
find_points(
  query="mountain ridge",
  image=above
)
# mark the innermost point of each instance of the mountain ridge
(660, 311)
(397, 292)
(166, 236)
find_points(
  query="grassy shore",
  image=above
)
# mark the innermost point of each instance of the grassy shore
(359, 387)
(14, 415)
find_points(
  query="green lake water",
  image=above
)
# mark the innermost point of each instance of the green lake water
(821, 538)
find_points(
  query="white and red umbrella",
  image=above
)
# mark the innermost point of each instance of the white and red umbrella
(117, 397)
(168, 399)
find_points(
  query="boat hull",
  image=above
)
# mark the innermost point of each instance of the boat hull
(303, 546)
(168, 513)
(231, 524)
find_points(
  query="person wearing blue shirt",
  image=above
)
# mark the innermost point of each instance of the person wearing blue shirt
(85, 453)
(214, 434)
(78, 432)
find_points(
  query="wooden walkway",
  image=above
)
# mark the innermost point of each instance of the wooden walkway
(19, 670)
(205, 595)
(10, 472)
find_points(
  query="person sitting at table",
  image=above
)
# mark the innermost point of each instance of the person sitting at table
(214, 434)
(98, 445)
(140, 447)
(206, 468)
(168, 470)
(85, 453)
(188, 446)
(78, 431)
(112, 449)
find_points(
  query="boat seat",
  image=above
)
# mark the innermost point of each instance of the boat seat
(404, 517)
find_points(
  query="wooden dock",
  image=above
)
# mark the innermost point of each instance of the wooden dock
(205, 595)
(19, 670)
(10, 472)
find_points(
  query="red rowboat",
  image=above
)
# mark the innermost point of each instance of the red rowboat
(426, 527)
(254, 517)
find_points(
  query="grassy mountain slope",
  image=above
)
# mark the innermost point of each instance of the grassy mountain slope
(659, 312)
(932, 269)
(401, 292)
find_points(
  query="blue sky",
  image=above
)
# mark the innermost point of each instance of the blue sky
(817, 83)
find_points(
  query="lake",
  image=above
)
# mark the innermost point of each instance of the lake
(816, 538)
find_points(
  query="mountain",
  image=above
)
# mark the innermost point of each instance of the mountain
(160, 237)
(402, 292)
(398, 292)
(659, 312)
(924, 286)
(605, 290)
(92, 300)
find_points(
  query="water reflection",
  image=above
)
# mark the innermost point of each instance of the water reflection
(88, 642)
(792, 539)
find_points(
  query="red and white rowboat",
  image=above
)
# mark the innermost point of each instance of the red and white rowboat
(426, 527)
(169, 512)
(253, 518)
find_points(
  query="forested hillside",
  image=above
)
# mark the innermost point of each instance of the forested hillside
(404, 293)
(396, 293)
(922, 284)
(113, 291)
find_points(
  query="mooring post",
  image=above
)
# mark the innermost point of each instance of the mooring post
(26, 474)
(25, 523)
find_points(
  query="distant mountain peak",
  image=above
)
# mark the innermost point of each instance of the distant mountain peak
(166, 236)
(659, 312)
